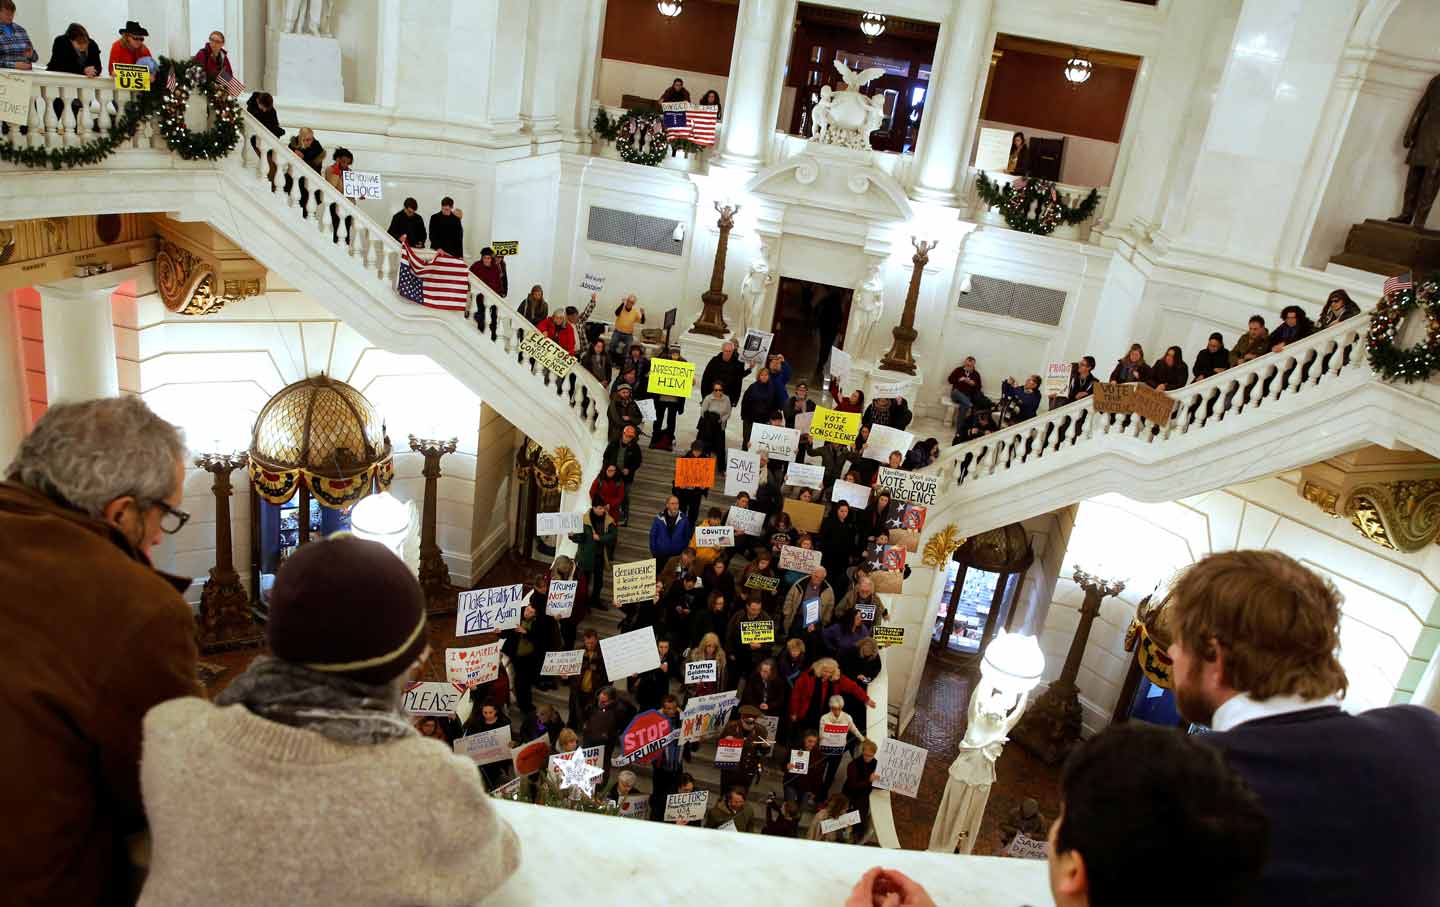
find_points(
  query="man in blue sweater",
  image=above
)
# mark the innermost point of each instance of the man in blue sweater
(1353, 799)
(669, 533)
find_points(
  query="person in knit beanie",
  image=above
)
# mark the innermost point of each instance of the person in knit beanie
(304, 782)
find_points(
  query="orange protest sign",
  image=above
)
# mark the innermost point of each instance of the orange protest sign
(695, 472)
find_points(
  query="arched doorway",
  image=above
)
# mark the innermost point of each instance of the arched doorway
(982, 584)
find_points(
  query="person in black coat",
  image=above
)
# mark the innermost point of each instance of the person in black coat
(728, 370)
(1169, 371)
(261, 106)
(408, 224)
(757, 405)
(75, 52)
(1294, 325)
(1212, 360)
(447, 231)
(527, 644)
(649, 688)
(839, 542)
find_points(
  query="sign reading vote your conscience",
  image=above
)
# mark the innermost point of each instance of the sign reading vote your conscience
(476, 664)
(898, 767)
(563, 664)
(804, 560)
(742, 472)
(548, 353)
(888, 636)
(671, 378)
(560, 600)
(630, 653)
(750, 522)
(131, 77)
(714, 536)
(694, 472)
(909, 487)
(431, 698)
(633, 582)
(557, 523)
(757, 631)
(833, 425)
(489, 610)
(361, 184)
(15, 98)
(700, 671)
(778, 440)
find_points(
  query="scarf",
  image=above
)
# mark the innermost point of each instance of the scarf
(341, 709)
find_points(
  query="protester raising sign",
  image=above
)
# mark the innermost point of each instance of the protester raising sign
(359, 184)
(780, 442)
(855, 495)
(671, 378)
(431, 698)
(845, 820)
(704, 716)
(560, 600)
(714, 536)
(909, 487)
(486, 746)
(489, 610)
(754, 347)
(694, 472)
(762, 582)
(557, 523)
(647, 409)
(477, 664)
(750, 522)
(1026, 848)
(548, 353)
(1057, 379)
(832, 425)
(805, 475)
(805, 515)
(728, 750)
(799, 762)
(898, 767)
(592, 282)
(531, 757)
(742, 472)
(633, 582)
(630, 653)
(884, 441)
(563, 664)
(804, 560)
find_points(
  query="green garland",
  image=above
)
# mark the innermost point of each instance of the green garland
(1015, 200)
(1418, 362)
(604, 126)
(640, 138)
(217, 141)
(140, 107)
(542, 790)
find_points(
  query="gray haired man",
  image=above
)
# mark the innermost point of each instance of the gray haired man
(91, 636)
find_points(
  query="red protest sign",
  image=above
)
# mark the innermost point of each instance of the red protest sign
(644, 737)
(695, 472)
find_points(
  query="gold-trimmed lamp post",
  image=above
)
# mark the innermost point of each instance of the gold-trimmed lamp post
(900, 358)
(224, 619)
(712, 319)
(434, 575)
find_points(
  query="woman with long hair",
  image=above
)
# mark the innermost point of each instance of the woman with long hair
(1019, 162)
(1337, 308)
(1170, 372)
(1131, 367)
(711, 98)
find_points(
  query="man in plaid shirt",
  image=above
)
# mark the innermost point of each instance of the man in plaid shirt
(16, 51)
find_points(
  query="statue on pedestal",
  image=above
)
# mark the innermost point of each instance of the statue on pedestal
(1422, 137)
(752, 295)
(847, 117)
(308, 17)
(865, 310)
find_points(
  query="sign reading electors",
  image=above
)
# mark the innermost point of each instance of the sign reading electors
(671, 378)
(704, 716)
(557, 523)
(688, 807)
(15, 97)
(476, 664)
(714, 536)
(742, 472)
(563, 664)
(833, 425)
(750, 522)
(755, 346)
(489, 610)
(804, 560)
(131, 77)
(361, 184)
(845, 820)
(853, 494)
(592, 282)
(757, 631)
(486, 746)
(630, 653)
(898, 767)
(560, 600)
(888, 636)
(700, 671)
(633, 582)
(909, 487)
(431, 698)
(548, 353)
(694, 472)
(884, 440)
(778, 440)
(805, 475)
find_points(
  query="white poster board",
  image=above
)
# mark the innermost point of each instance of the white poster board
(560, 600)
(889, 389)
(780, 441)
(742, 472)
(647, 409)
(592, 282)
(909, 487)
(799, 762)
(898, 767)
(14, 98)
(750, 522)
(993, 151)
(845, 820)
(486, 746)
(475, 664)
(489, 610)
(755, 347)
(805, 475)
(803, 422)
(839, 364)
(431, 698)
(689, 807)
(700, 671)
(1026, 848)
(360, 184)
(714, 536)
(557, 523)
(857, 496)
(630, 653)
(1057, 379)
(805, 560)
(884, 439)
(563, 664)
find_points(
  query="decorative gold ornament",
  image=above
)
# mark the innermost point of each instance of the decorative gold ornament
(1320, 496)
(942, 545)
(567, 469)
(187, 282)
(1403, 516)
(558, 471)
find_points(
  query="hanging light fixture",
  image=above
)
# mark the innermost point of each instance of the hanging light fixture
(872, 25)
(670, 8)
(1078, 68)
(382, 518)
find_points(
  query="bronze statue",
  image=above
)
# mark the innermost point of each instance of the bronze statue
(1422, 137)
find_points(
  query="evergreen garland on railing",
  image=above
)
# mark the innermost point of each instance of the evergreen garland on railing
(137, 110)
(1015, 199)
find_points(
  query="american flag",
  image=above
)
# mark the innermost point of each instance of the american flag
(443, 283)
(702, 124)
(1398, 283)
(677, 123)
(233, 86)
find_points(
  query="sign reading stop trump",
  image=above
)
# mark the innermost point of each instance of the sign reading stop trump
(644, 738)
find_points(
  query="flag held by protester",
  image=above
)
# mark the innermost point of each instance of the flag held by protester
(693, 122)
(442, 283)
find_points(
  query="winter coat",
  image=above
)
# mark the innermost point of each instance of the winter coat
(1172, 376)
(668, 539)
(1207, 362)
(793, 610)
(624, 456)
(623, 413)
(564, 334)
(758, 403)
(1126, 372)
(1249, 346)
(1029, 400)
(543, 634)
(611, 491)
(590, 551)
(411, 227)
(811, 695)
(840, 640)
(63, 57)
(730, 374)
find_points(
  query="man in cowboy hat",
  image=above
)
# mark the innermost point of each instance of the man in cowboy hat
(129, 49)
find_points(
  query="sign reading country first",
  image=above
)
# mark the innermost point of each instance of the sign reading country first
(671, 378)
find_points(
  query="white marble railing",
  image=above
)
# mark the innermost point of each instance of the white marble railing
(1070, 195)
(900, 167)
(877, 728)
(685, 163)
(85, 111)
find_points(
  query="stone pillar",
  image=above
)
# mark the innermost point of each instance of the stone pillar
(550, 37)
(79, 335)
(947, 130)
(14, 398)
(758, 28)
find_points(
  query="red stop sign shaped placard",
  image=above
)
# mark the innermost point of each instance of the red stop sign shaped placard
(644, 736)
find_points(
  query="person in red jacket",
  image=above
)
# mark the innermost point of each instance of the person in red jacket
(213, 57)
(560, 330)
(610, 488)
(813, 689)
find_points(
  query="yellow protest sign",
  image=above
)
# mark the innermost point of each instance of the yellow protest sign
(129, 77)
(832, 425)
(757, 631)
(671, 378)
(548, 353)
(888, 636)
(633, 582)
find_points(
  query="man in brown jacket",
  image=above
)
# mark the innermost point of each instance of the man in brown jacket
(91, 636)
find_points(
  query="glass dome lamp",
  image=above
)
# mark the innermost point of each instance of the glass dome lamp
(670, 8)
(382, 518)
(1013, 663)
(872, 25)
(1078, 69)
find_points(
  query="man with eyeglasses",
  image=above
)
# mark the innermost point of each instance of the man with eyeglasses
(91, 637)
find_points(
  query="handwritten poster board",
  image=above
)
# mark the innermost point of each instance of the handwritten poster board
(557, 523)
(633, 582)
(630, 653)
(992, 153)
(778, 440)
(694, 472)
(857, 496)
(833, 425)
(750, 522)
(548, 353)
(845, 820)
(1026, 848)
(898, 767)
(475, 664)
(687, 807)
(592, 282)
(359, 184)
(804, 560)
(560, 600)
(486, 747)
(804, 514)
(742, 472)
(802, 422)
(634, 806)
(699, 671)
(909, 487)
(431, 698)
(563, 664)
(839, 364)
(714, 536)
(15, 97)
(671, 378)
(890, 389)
(489, 610)
(757, 631)
(888, 636)
(885, 440)
(1140, 399)
(805, 475)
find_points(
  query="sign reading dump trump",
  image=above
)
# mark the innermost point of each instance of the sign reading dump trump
(633, 582)
(489, 610)
(832, 425)
(780, 442)
(671, 378)
(548, 353)
(909, 487)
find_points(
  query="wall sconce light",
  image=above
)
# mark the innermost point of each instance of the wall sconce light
(670, 8)
(872, 25)
(1078, 69)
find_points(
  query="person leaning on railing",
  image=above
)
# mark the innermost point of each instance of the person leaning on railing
(16, 50)
(75, 52)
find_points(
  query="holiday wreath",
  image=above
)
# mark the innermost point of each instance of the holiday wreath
(223, 135)
(640, 138)
(1418, 362)
(1014, 201)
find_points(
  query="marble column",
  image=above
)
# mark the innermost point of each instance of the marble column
(550, 37)
(79, 334)
(947, 130)
(14, 400)
(746, 132)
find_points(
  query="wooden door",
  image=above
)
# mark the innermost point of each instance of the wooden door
(1046, 156)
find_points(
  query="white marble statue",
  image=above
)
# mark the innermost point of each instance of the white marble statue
(865, 309)
(308, 17)
(752, 295)
(847, 117)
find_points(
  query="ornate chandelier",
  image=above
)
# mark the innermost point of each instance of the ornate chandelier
(670, 8)
(872, 25)
(1078, 69)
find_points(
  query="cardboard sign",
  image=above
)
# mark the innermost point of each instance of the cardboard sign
(359, 184)
(131, 77)
(799, 762)
(560, 600)
(548, 353)
(890, 389)
(728, 750)
(671, 378)
(15, 97)
(755, 347)
(757, 631)
(1057, 379)
(700, 672)
(857, 496)
(634, 806)
(592, 282)
(630, 653)
(802, 560)
(647, 409)
(476, 664)
(830, 826)
(885, 440)
(833, 425)
(431, 698)
(1026, 848)
(887, 582)
(805, 515)
(694, 472)
(742, 472)
(1154, 405)
(898, 767)
(839, 364)
(1141, 399)
(505, 247)
(563, 664)
(909, 487)
(557, 523)
(489, 610)
(687, 807)
(704, 716)
(633, 582)
(714, 536)
(749, 522)
(832, 735)
(778, 440)
(762, 582)
(486, 747)
(531, 757)
(888, 636)
(805, 475)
